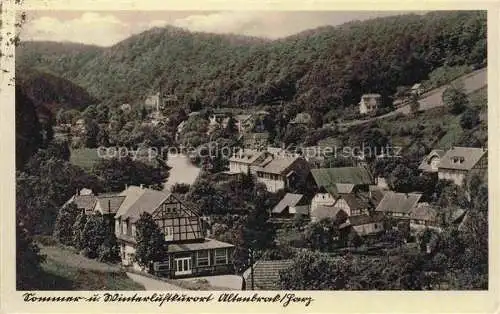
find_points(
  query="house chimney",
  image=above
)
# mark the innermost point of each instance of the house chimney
(142, 186)
(76, 191)
(126, 186)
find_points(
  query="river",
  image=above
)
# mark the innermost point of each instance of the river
(182, 171)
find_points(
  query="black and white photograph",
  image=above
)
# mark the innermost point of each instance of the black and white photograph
(251, 150)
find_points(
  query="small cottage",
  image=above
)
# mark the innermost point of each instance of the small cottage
(369, 103)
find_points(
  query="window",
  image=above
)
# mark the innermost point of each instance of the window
(133, 230)
(202, 258)
(169, 233)
(129, 228)
(220, 256)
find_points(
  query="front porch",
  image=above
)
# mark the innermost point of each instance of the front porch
(210, 257)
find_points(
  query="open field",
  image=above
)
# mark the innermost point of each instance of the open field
(84, 157)
(66, 270)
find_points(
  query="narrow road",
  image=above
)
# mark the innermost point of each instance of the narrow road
(153, 284)
(434, 98)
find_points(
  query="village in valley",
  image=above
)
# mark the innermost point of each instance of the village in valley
(169, 191)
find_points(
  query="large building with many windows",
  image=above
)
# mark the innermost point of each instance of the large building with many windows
(189, 252)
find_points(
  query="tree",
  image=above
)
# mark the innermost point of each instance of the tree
(102, 137)
(455, 98)
(91, 133)
(354, 239)
(94, 234)
(414, 104)
(102, 114)
(151, 245)
(180, 188)
(78, 227)
(63, 229)
(109, 250)
(231, 129)
(315, 271)
(28, 129)
(322, 235)
(45, 186)
(469, 119)
(28, 260)
(115, 173)
(294, 135)
(59, 150)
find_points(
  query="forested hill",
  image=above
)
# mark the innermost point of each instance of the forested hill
(50, 92)
(322, 70)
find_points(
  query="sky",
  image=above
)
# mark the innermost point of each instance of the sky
(106, 28)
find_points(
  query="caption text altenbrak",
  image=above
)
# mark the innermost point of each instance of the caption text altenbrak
(160, 298)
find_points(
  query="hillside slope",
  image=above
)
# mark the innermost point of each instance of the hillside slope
(50, 92)
(319, 70)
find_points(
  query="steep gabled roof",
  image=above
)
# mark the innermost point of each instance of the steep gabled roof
(278, 165)
(109, 204)
(344, 188)
(424, 211)
(266, 274)
(85, 202)
(398, 202)
(147, 202)
(288, 200)
(132, 194)
(357, 200)
(462, 158)
(322, 212)
(364, 219)
(248, 156)
(338, 180)
(425, 165)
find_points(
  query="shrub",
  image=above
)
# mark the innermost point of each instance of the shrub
(469, 119)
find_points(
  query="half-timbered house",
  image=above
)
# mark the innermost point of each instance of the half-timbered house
(189, 252)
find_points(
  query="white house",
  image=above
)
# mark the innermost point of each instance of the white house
(369, 103)
(281, 172)
(416, 89)
(458, 162)
(153, 102)
(243, 160)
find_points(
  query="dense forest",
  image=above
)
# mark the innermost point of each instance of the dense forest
(51, 93)
(322, 70)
